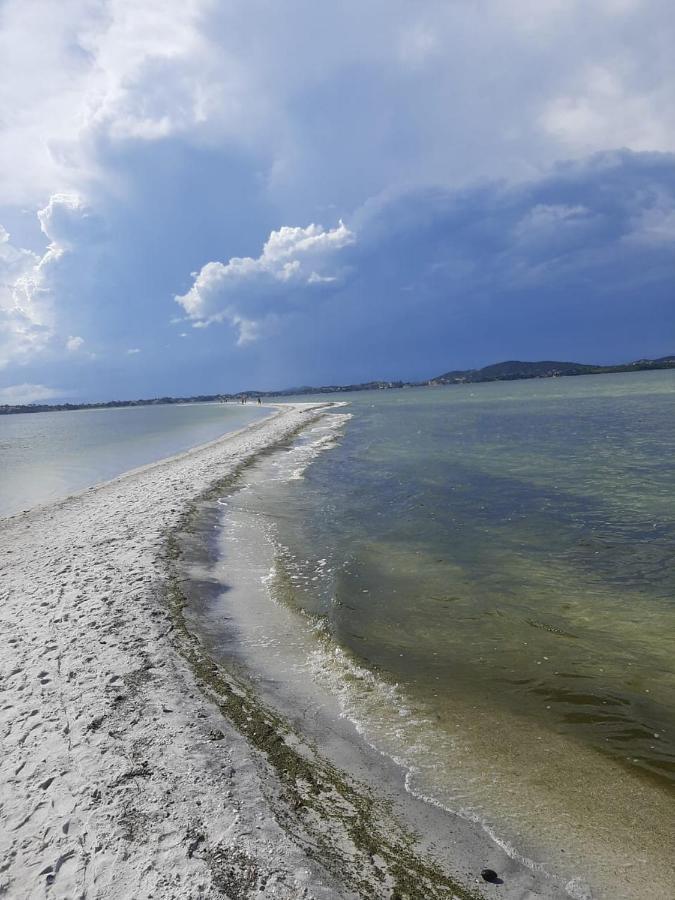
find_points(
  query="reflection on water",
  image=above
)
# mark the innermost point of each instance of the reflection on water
(45, 456)
(503, 554)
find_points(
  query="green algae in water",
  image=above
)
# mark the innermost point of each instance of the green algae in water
(338, 821)
(504, 553)
(456, 518)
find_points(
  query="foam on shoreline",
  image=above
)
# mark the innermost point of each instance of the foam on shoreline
(135, 766)
(249, 619)
(287, 652)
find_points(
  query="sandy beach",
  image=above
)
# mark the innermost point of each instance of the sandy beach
(133, 766)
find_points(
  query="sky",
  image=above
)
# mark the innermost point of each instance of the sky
(203, 196)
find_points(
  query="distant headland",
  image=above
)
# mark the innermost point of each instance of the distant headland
(512, 370)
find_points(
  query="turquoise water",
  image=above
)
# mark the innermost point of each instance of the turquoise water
(45, 456)
(488, 575)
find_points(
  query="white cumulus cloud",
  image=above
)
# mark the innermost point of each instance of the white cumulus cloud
(22, 326)
(244, 291)
(604, 108)
(74, 343)
(82, 69)
(21, 394)
(27, 316)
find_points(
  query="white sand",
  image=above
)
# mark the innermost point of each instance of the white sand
(110, 783)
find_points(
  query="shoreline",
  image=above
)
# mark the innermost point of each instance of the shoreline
(233, 613)
(119, 778)
(136, 469)
(136, 766)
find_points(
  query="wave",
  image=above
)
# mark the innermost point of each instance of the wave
(293, 464)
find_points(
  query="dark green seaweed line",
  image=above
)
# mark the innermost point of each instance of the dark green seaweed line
(339, 823)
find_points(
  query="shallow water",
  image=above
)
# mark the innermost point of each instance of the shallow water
(45, 456)
(485, 578)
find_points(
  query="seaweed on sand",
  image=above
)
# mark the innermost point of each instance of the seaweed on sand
(338, 822)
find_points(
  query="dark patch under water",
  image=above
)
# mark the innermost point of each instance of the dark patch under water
(502, 556)
(517, 539)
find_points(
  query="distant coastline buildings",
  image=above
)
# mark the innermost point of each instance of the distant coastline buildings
(512, 370)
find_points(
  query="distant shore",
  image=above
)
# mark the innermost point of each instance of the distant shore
(512, 370)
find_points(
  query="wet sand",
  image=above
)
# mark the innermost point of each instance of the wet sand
(257, 639)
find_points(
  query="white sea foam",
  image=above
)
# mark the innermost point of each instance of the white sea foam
(386, 719)
(292, 465)
(379, 709)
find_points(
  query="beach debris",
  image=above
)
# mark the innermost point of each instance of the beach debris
(142, 771)
(491, 876)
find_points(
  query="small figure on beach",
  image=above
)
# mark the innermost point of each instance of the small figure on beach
(259, 401)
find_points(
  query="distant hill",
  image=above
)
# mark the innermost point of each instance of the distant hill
(515, 370)
(512, 370)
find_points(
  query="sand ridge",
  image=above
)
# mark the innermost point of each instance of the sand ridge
(110, 786)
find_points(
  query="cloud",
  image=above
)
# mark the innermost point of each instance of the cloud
(548, 233)
(64, 220)
(74, 343)
(91, 71)
(190, 133)
(27, 314)
(132, 351)
(603, 108)
(22, 394)
(244, 291)
(576, 263)
(419, 90)
(22, 327)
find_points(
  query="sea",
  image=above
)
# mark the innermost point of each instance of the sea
(479, 582)
(47, 455)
